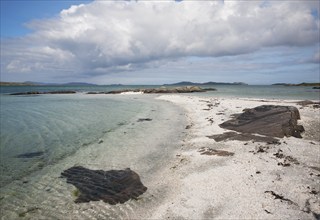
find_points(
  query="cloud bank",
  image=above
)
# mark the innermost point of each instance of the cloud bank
(106, 37)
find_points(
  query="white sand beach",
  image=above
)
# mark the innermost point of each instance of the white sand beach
(250, 184)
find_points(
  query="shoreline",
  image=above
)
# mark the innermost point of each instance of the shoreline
(45, 195)
(182, 182)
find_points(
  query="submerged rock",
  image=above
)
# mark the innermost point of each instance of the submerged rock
(113, 186)
(268, 120)
(31, 155)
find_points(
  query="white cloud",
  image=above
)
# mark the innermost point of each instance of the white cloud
(111, 36)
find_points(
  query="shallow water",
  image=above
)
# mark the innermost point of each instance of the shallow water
(40, 130)
(96, 132)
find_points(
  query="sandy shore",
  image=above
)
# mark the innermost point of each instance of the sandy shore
(246, 180)
(252, 183)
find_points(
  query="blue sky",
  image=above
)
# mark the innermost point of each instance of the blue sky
(155, 42)
(15, 14)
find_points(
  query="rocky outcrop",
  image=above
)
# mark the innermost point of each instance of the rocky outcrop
(41, 93)
(308, 103)
(112, 186)
(183, 89)
(268, 120)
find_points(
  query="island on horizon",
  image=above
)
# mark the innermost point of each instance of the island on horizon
(182, 83)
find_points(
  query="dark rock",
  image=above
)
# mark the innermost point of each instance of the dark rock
(210, 151)
(31, 155)
(209, 89)
(316, 87)
(26, 93)
(42, 93)
(183, 89)
(144, 119)
(286, 159)
(95, 93)
(307, 102)
(61, 92)
(113, 186)
(188, 126)
(267, 211)
(277, 196)
(232, 136)
(262, 149)
(268, 120)
(122, 91)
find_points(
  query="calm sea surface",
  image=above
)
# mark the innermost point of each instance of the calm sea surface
(248, 91)
(51, 127)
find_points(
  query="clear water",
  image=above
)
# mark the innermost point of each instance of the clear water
(268, 92)
(94, 131)
(56, 126)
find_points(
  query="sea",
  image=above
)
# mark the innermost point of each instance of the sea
(42, 135)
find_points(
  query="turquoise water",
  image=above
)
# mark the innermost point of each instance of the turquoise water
(268, 92)
(57, 132)
(53, 127)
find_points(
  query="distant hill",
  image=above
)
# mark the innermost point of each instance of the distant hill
(16, 84)
(186, 83)
(78, 84)
(29, 83)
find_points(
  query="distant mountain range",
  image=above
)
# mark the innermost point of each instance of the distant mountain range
(29, 83)
(186, 83)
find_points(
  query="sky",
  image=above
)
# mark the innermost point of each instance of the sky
(157, 42)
